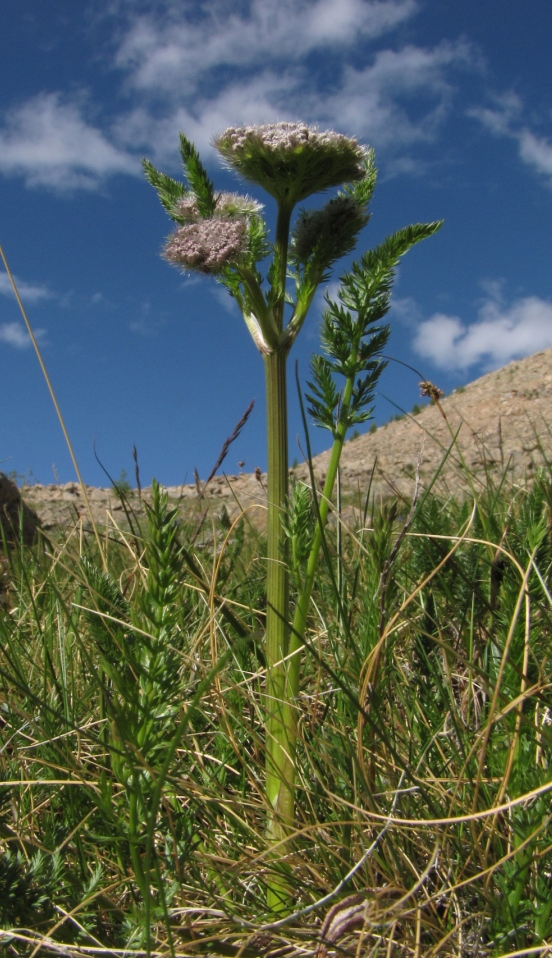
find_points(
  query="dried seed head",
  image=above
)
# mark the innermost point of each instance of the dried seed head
(435, 394)
(291, 160)
(429, 389)
(207, 245)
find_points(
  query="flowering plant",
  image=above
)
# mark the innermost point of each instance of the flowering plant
(225, 235)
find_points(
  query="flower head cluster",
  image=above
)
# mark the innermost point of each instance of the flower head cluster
(208, 244)
(291, 160)
(227, 206)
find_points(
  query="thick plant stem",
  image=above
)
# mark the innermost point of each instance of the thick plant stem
(280, 773)
(281, 256)
(279, 787)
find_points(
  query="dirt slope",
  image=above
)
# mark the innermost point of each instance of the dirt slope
(503, 421)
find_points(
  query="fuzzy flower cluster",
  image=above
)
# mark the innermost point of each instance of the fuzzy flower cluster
(227, 206)
(208, 244)
(290, 160)
(283, 137)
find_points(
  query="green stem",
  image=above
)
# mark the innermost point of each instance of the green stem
(134, 840)
(280, 778)
(281, 256)
(279, 787)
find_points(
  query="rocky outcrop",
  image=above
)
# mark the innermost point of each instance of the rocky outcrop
(72, 506)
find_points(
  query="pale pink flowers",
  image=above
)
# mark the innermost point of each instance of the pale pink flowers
(227, 206)
(207, 245)
(291, 160)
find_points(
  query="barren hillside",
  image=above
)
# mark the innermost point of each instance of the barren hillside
(503, 421)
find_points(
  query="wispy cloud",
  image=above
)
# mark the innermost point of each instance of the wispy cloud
(27, 291)
(146, 323)
(500, 333)
(173, 51)
(505, 119)
(203, 65)
(400, 99)
(536, 152)
(220, 66)
(49, 143)
(15, 334)
(262, 100)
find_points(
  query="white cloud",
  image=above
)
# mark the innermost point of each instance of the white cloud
(536, 152)
(200, 67)
(224, 300)
(27, 291)
(203, 65)
(146, 323)
(173, 53)
(251, 101)
(49, 143)
(504, 120)
(405, 310)
(400, 99)
(501, 333)
(15, 334)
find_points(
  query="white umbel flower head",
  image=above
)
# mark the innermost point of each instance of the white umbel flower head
(290, 160)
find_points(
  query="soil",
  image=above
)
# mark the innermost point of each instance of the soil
(501, 424)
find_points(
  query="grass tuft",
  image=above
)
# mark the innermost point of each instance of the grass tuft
(132, 804)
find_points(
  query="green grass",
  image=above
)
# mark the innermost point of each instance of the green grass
(132, 806)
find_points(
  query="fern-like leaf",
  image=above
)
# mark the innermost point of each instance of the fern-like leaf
(199, 183)
(168, 190)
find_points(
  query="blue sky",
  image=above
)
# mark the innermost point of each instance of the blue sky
(456, 99)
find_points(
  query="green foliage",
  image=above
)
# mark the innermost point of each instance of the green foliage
(23, 902)
(324, 396)
(321, 237)
(199, 183)
(425, 696)
(122, 487)
(351, 339)
(367, 287)
(299, 525)
(168, 190)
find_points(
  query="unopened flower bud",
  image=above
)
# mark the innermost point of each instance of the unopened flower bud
(227, 206)
(332, 230)
(186, 210)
